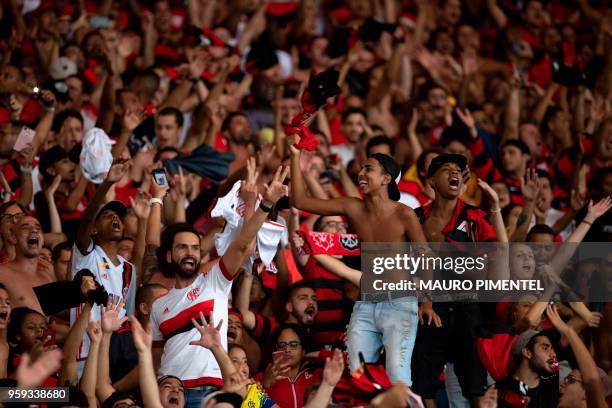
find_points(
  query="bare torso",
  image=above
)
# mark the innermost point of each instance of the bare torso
(390, 222)
(20, 278)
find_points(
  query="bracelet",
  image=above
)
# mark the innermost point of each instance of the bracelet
(587, 222)
(26, 169)
(495, 211)
(156, 200)
(264, 207)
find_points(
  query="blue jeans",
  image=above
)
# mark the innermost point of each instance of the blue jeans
(194, 396)
(392, 324)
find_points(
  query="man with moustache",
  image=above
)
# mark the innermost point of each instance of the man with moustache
(195, 294)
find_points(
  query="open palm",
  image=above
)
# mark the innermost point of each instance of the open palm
(210, 335)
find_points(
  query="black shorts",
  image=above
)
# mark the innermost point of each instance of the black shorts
(454, 342)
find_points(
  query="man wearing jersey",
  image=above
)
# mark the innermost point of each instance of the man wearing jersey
(196, 293)
(96, 249)
(452, 339)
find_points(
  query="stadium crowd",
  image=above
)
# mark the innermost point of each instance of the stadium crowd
(186, 184)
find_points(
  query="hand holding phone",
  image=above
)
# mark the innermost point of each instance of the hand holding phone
(159, 175)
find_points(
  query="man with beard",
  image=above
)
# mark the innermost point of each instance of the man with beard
(301, 308)
(27, 270)
(536, 374)
(195, 293)
(96, 249)
(236, 138)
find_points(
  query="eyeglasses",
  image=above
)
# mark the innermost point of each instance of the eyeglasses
(335, 224)
(288, 344)
(14, 218)
(570, 379)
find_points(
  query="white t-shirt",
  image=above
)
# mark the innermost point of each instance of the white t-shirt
(171, 325)
(118, 280)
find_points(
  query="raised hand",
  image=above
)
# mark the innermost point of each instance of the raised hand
(32, 374)
(265, 153)
(52, 188)
(248, 189)
(531, 185)
(48, 99)
(133, 118)
(334, 367)
(140, 205)
(414, 121)
(210, 335)
(555, 319)
(143, 339)
(158, 191)
(117, 170)
(94, 331)
(110, 321)
(466, 117)
(491, 194)
(179, 184)
(598, 209)
(236, 382)
(276, 190)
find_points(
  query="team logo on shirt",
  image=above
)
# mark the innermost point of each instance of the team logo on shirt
(193, 294)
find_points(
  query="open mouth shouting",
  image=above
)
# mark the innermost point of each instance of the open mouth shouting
(116, 225)
(173, 400)
(309, 313)
(189, 263)
(454, 182)
(33, 241)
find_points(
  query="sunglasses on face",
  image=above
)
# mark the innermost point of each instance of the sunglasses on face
(288, 344)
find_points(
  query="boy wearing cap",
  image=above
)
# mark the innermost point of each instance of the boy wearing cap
(386, 319)
(452, 338)
(96, 247)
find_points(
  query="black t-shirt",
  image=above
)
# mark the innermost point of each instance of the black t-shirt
(123, 356)
(545, 395)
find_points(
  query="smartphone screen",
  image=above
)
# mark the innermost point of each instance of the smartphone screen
(25, 138)
(159, 175)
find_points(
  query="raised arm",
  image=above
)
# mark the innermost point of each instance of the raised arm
(143, 340)
(530, 189)
(110, 323)
(68, 372)
(240, 248)
(210, 338)
(301, 200)
(591, 382)
(115, 174)
(88, 381)
(242, 300)
(142, 209)
(56, 221)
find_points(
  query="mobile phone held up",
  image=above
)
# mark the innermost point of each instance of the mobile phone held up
(159, 175)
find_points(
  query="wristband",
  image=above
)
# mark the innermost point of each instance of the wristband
(587, 222)
(26, 169)
(264, 207)
(495, 211)
(156, 200)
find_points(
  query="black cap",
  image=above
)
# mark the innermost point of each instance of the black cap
(441, 159)
(116, 206)
(393, 170)
(50, 157)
